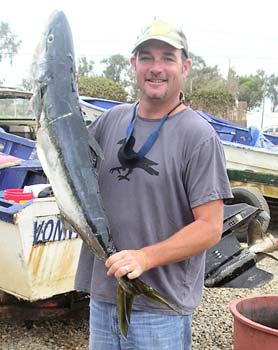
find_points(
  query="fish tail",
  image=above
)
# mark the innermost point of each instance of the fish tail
(126, 296)
(124, 305)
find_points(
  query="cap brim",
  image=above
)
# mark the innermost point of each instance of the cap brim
(156, 37)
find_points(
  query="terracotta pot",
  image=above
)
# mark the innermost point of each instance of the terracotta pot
(255, 322)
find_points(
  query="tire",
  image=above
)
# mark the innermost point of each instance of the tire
(4, 297)
(251, 196)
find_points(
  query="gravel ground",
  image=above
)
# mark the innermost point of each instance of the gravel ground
(212, 325)
(213, 322)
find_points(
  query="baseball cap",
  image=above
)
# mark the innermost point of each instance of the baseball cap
(163, 31)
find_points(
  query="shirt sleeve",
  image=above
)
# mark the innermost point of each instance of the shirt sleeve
(95, 127)
(206, 176)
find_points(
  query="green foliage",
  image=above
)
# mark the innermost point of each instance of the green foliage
(85, 67)
(132, 88)
(198, 62)
(9, 44)
(232, 83)
(205, 87)
(252, 89)
(102, 88)
(272, 91)
(206, 77)
(116, 68)
(217, 101)
(202, 76)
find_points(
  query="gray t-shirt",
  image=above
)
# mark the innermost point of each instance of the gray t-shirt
(149, 200)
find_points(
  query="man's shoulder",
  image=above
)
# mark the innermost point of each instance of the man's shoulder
(120, 109)
(115, 113)
(111, 118)
(194, 124)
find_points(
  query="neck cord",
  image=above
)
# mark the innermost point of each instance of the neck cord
(129, 154)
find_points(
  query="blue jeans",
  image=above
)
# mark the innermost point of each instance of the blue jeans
(146, 331)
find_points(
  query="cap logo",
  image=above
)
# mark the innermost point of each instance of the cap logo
(165, 32)
(159, 28)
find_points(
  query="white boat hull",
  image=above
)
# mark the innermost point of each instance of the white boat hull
(37, 260)
(252, 166)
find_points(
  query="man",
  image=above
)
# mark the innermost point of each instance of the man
(162, 182)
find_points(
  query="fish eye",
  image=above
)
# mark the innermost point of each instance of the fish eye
(50, 38)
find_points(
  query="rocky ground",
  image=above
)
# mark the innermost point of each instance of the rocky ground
(213, 322)
(212, 325)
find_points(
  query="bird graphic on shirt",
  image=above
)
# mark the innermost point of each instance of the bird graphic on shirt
(129, 163)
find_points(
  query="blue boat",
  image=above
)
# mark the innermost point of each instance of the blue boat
(33, 241)
(98, 103)
(92, 107)
(232, 132)
(251, 156)
(226, 130)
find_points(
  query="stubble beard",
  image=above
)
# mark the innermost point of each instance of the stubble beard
(153, 96)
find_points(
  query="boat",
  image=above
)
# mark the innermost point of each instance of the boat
(16, 118)
(93, 107)
(40, 258)
(236, 133)
(226, 130)
(35, 247)
(251, 156)
(252, 161)
(251, 166)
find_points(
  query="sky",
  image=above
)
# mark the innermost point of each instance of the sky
(242, 34)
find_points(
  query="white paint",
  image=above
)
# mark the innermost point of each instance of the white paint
(40, 272)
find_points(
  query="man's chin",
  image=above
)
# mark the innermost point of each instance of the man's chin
(155, 96)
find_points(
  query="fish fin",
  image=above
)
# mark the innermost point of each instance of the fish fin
(127, 291)
(124, 305)
(66, 226)
(95, 147)
(150, 293)
(37, 104)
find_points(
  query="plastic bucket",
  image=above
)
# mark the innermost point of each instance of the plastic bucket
(17, 195)
(255, 322)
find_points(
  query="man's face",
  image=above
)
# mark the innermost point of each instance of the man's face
(160, 70)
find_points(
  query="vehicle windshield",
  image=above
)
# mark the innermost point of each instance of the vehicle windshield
(15, 108)
(16, 116)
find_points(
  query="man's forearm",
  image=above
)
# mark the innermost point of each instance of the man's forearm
(189, 241)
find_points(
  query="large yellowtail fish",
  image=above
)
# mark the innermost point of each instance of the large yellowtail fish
(67, 154)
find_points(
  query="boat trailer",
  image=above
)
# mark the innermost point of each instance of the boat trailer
(65, 306)
(228, 264)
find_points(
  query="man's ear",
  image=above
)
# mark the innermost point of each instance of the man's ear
(186, 67)
(133, 62)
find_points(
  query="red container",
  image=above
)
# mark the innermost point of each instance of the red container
(17, 195)
(255, 322)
